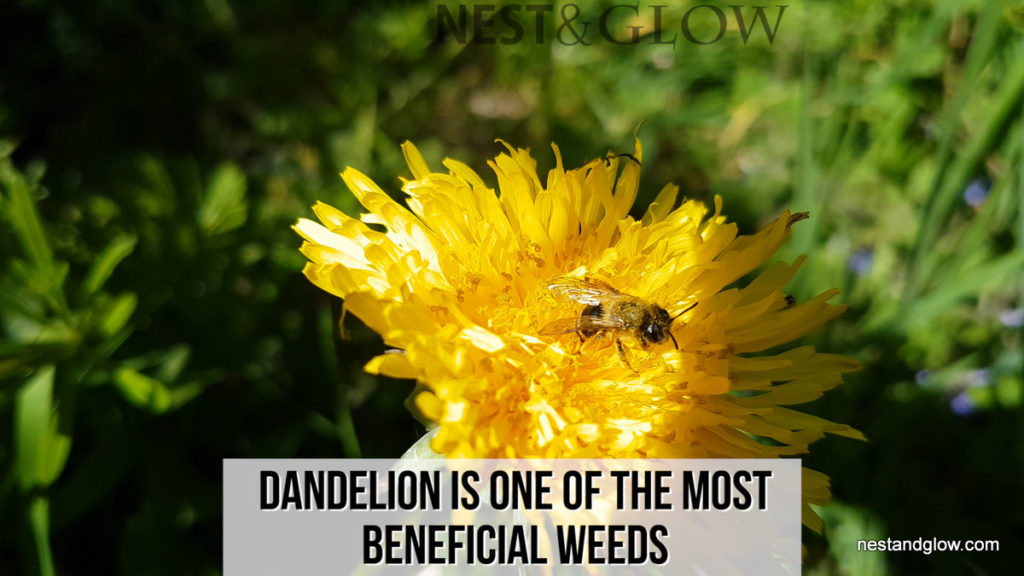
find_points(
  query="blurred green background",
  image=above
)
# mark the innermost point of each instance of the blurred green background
(154, 318)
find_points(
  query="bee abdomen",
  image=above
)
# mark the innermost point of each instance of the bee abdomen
(584, 326)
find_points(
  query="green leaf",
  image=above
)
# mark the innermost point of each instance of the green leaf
(183, 394)
(21, 358)
(845, 526)
(41, 450)
(926, 307)
(142, 391)
(25, 219)
(6, 148)
(173, 362)
(117, 314)
(158, 198)
(1009, 390)
(107, 260)
(956, 168)
(153, 395)
(39, 521)
(224, 207)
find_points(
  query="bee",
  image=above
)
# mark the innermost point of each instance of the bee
(609, 311)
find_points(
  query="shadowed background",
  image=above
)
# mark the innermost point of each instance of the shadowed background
(154, 318)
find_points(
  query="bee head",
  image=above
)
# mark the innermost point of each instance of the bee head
(653, 333)
(665, 323)
(658, 330)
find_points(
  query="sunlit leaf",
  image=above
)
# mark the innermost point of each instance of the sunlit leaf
(105, 263)
(142, 391)
(25, 219)
(224, 207)
(41, 450)
(117, 314)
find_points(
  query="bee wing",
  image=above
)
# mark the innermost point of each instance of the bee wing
(604, 322)
(585, 323)
(563, 326)
(593, 292)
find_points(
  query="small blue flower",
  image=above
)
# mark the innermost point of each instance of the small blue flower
(860, 261)
(978, 378)
(976, 193)
(1012, 317)
(961, 404)
(922, 377)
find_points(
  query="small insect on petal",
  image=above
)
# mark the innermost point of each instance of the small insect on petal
(794, 218)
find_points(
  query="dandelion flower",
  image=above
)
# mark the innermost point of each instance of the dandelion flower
(456, 281)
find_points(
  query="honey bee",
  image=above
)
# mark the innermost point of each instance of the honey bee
(609, 311)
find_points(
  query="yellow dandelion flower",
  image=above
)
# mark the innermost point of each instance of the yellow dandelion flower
(465, 284)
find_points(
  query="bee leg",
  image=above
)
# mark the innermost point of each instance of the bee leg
(622, 354)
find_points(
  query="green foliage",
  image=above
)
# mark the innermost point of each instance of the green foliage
(845, 525)
(154, 319)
